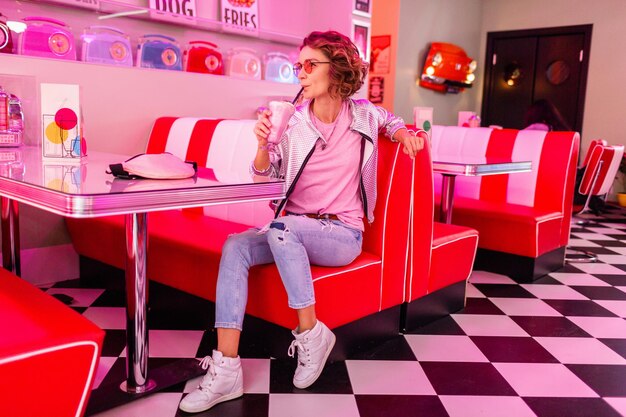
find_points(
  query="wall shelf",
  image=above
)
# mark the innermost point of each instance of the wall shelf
(111, 7)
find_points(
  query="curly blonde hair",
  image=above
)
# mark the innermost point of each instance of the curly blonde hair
(347, 69)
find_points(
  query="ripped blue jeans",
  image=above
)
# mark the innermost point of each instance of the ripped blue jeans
(294, 243)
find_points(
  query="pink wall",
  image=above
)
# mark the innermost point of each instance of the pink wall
(385, 21)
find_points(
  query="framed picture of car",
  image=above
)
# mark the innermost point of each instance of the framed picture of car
(362, 8)
(361, 37)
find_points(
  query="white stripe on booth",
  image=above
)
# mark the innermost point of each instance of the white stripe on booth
(454, 141)
(180, 135)
(232, 149)
(521, 186)
(474, 144)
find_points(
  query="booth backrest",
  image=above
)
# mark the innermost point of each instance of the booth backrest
(552, 154)
(421, 235)
(543, 149)
(228, 146)
(225, 146)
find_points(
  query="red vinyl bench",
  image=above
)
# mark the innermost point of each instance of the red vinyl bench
(362, 300)
(48, 353)
(523, 218)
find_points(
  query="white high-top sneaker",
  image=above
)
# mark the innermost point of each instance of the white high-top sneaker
(313, 346)
(222, 382)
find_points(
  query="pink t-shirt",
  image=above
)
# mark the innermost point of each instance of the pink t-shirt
(329, 182)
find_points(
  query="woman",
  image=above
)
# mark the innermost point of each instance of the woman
(543, 115)
(328, 195)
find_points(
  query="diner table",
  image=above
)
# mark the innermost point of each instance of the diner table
(451, 166)
(84, 189)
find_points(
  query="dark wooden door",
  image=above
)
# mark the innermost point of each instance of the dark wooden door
(525, 66)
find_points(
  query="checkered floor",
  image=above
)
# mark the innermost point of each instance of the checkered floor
(556, 347)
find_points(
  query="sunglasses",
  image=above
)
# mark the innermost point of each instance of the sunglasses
(308, 66)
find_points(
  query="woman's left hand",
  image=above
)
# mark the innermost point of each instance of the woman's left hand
(412, 143)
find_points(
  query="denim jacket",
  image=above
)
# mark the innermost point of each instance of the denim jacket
(290, 156)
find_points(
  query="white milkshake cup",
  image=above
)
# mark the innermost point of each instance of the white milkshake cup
(281, 113)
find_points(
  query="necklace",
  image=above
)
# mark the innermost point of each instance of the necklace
(327, 129)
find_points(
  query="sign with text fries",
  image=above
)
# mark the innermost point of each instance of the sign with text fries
(240, 16)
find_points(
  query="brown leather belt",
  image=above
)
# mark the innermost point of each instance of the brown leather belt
(316, 216)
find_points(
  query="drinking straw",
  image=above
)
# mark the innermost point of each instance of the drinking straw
(297, 96)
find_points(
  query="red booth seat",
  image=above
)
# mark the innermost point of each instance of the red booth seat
(435, 284)
(48, 353)
(185, 245)
(523, 218)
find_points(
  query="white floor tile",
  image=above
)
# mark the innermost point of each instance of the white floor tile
(615, 306)
(580, 350)
(485, 406)
(525, 307)
(388, 377)
(256, 379)
(457, 348)
(312, 405)
(592, 236)
(83, 297)
(613, 259)
(582, 243)
(543, 380)
(553, 292)
(618, 250)
(607, 230)
(484, 277)
(104, 366)
(160, 404)
(488, 325)
(619, 404)
(107, 317)
(597, 268)
(571, 278)
(173, 343)
(473, 292)
(601, 327)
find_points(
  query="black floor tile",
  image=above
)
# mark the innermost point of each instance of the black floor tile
(400, 405)
(480, 306)
(512, 349)
(615, 280)
(463, 378)
(396, 349)
(610, 243)
(601, 293)
(598, 250)
(579, 308)
(549, 326)
(547, 280)
(618, 345)
(114, 342)
(606, 380)
(570, 407)
(503, 290)
(333, 380)
(444, 326)
(111, 298)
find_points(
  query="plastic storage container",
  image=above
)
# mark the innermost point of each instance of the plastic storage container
(159, 51)
(11, 120)
(204, 57)
(6, 40)
(278, 68)
(48, 38)
(243, 63)
(106, 45)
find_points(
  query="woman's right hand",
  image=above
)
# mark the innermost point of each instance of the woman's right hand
(262, 127)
